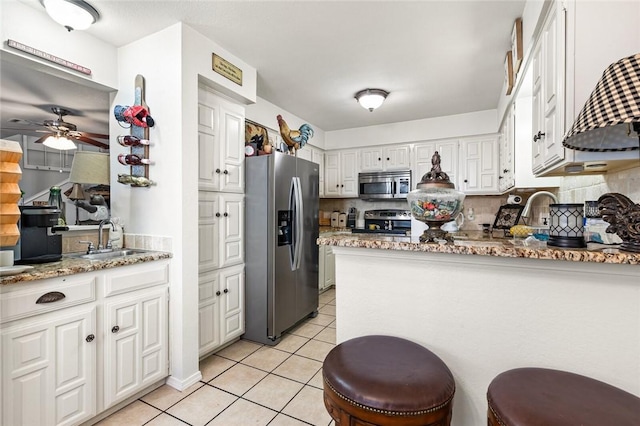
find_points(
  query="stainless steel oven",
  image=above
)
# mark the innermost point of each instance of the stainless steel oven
(389, 185)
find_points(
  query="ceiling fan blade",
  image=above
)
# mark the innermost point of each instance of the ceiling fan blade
(21, 121)
(91, 142)
(43, 138)
(75, 134)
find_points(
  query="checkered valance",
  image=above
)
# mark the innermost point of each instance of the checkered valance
(604, 122)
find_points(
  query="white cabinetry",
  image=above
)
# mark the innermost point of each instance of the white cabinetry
(65, 338)
(326, 267)
(221, 230)
(577, 42)
(136, 353)
(315, 155)
(394, 157)
(479, 165)
(221, 222)
(221, 307)
(423, 152)
(506, 175)
(221, 156)
(49, 368)
(341, 174)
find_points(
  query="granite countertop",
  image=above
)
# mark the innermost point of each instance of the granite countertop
(476, 244)
(74, 265)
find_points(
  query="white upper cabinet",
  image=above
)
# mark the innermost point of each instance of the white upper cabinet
(394, 157)
(479, 165)
(341, 174)
(422, 153)
(220, 144)
(506, 175)
(314, 155)
(577, 42)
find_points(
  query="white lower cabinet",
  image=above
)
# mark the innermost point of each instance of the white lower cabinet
(135, 345)
(64, 339)
(221, 307)
(326, 268)
(49, 368)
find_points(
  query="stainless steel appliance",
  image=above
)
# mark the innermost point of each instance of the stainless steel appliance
(389, 221)
(281, 228)
(38, 241)
(384, 185)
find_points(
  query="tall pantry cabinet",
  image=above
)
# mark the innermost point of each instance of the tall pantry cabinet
(220, 220)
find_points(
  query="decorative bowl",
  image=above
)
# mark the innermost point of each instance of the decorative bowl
(435, 205)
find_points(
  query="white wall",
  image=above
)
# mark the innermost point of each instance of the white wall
(264, 112)
(471, 124)
(34, 28)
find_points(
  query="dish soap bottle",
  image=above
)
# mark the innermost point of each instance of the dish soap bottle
(117, 236)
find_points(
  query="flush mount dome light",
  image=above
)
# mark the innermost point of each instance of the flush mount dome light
(71, 14)
(371, 98)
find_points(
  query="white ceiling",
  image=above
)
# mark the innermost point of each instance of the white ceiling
(435, 57)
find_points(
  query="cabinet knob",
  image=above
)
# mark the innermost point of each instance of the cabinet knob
(341, 186)
(226, 172)
(387, 158)
(465, 181)
(218, 293)
(218, 215)
(379, 159)
(500, 177)
(538, 136)
(225, 214)
(115, 329)
(218, 171)
(505, 171)
(90, 338)
(226, 290)
(337, 186)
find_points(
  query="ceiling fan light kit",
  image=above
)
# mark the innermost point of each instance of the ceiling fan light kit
(71, 14)
(371, 98)
(59, 142)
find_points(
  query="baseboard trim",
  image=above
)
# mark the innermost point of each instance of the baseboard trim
(184, 384)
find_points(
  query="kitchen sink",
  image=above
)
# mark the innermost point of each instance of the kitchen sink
(106, 255)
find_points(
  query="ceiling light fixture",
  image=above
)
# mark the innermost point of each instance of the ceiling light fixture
(59, 142)
(71, 14)
(371, 98)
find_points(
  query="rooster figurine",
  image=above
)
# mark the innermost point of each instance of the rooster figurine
(295, 139)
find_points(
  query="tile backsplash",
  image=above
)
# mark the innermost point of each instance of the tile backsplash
(577, 189)
(71, 241)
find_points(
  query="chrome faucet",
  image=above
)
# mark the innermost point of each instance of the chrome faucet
(102, 223)
(527, 208)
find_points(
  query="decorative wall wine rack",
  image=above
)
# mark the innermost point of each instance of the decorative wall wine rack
(140, 120)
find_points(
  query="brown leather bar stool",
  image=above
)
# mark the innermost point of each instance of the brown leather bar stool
(544, 397)
(384, 380)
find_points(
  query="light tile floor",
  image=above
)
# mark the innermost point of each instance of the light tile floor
(249, 383)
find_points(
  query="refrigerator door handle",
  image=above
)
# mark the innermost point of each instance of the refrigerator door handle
(299, 221)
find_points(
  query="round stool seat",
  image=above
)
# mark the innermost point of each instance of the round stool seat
(540, 396)
(386, 377)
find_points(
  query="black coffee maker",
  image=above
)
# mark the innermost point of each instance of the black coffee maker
(38, 241)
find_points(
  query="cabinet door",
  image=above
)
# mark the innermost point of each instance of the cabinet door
(135, 347)
(423, 152)
(209, 217)
(371, 159)
(552, 88)
(537, 145)
(479, 163)
(321, 261)
(208, 149)
(305, 153)
(506, 175)
(232, 140)
(318, 158)
(332, 174)
(397, 157)
(329, 267)
(232, 303)
(349, 173)
(49, 369)
(232, 229)
(209, 311)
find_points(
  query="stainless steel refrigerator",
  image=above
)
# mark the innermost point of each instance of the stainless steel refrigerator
(281, 254)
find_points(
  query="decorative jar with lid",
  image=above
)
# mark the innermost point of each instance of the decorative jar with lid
(435, 201)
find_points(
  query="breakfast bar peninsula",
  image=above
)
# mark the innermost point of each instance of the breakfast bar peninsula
(485, 306)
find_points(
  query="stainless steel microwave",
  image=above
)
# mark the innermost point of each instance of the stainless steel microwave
(384, 185)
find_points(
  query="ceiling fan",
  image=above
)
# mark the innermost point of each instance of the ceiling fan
(59, 128)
